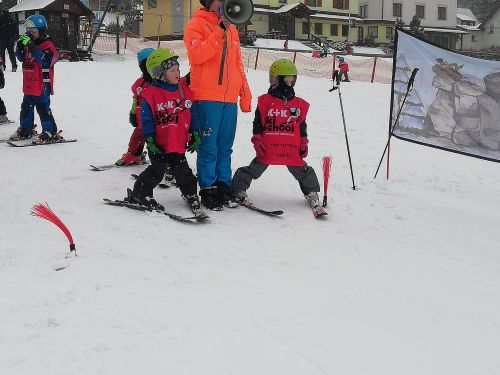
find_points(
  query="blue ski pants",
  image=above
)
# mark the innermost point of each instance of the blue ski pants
(217, 122)
(42, 105)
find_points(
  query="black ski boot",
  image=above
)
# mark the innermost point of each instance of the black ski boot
(148, 202)
(169, 179)
(22, 134)
(210, 198)
(225, 195)
(194, 203)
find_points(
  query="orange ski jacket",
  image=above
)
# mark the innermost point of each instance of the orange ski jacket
(217, 72)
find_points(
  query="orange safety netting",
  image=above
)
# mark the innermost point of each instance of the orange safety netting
(360, 68)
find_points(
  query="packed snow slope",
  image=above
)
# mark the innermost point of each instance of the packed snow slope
(402, 277)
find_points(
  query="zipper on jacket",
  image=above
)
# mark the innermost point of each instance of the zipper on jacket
(224, 48)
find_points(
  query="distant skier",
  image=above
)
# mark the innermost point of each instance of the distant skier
(280, 135)
(136, 143)
(38, 55)
(344, 69)
(3, 111)
(166, 121)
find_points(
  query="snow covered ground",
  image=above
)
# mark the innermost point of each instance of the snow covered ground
(279, 43)
(403, 277)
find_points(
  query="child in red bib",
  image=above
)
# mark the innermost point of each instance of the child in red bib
(280, 135)
(166, 122)
(136, 143)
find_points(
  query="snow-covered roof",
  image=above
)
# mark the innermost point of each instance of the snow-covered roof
(286, 8)
(469, 28)
(465, 14)
(335, 17)
(31, 5)
(264, 10)
(448, 31)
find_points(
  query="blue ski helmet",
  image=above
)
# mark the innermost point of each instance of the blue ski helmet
(143, 54)
(341, 58)
(36, 20)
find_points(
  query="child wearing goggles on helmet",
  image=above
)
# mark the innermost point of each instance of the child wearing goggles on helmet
(38, 56)
(166, 122)
(280, 135)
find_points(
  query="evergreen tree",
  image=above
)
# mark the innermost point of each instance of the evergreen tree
(415, 27)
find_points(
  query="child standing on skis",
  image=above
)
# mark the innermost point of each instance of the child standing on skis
(280, 135)
(3, 110)
(136, 143)
(166, 120)
(38, 55)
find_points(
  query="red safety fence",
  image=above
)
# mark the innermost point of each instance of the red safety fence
(361, 68)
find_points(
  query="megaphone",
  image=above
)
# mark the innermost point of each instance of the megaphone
(238, 12)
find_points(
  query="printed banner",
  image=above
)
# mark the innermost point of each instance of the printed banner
(455, 101)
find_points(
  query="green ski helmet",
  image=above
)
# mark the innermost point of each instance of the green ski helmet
(159, 61)
(282, 67)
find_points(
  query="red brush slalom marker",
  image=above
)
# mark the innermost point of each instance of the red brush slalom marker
(44, 212)
(327, 165)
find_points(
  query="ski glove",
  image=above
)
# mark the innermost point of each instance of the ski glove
(303, 147)
(23, 41)
(194, 141)
(258, 145)
(153, 147)
(132, 119)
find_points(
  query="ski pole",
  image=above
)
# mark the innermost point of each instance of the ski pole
(327, 164)
(335, 75)
(408, 90)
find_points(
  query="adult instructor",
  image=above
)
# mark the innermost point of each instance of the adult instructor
(218, 79)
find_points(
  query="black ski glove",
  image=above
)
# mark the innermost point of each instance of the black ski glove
(132, 119)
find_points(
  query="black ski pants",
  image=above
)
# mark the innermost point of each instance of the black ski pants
(3, 110)
(305, 175)
(153, 174)
(9, 45)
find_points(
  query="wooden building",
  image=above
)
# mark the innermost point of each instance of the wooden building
(65, 20)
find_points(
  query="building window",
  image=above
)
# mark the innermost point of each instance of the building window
(397, 9)
(305, 27)
(363, 11)
(473, 38)
(345, 30)
(334, 29)
(151, 4)
(313, 3)
(389, 33)
(340, 4)
(420, 11)
(373, 31)
(318, 28)
(282, 1)
(442, 13)
(491, 29)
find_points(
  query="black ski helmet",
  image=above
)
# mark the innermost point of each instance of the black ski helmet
(206, 3)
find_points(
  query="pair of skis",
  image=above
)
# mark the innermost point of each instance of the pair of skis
(183, 219)
(250, 206)
(105, 167)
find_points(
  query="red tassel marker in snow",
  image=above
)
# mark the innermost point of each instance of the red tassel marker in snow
(327, 164)
(44, 212)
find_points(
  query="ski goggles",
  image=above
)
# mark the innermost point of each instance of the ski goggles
(164, 66)
(32, 30)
